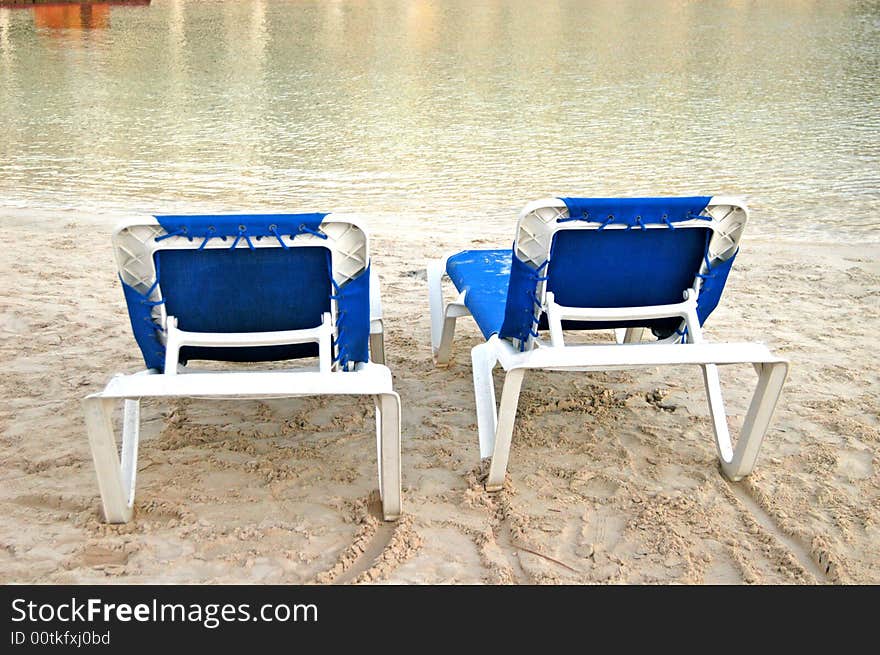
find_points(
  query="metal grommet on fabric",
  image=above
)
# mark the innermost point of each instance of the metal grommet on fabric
(242, 234)
(273, 230)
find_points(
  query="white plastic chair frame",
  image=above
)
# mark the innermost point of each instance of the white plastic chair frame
(536, 227)
(134, 245)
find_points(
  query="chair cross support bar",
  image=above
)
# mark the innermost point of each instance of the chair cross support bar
(177, 339)
(637, 355)
(556, 313)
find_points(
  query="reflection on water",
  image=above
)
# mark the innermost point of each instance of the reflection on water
(438, 108)
(87, 16)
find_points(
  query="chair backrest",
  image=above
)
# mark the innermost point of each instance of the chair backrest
(245, 273)
(620, 252)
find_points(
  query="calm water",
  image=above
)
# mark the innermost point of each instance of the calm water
(435, 108)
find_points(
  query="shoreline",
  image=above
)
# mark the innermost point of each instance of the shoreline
(375, 222)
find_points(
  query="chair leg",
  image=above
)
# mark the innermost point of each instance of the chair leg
(443, 353)
(131, 428)
(717, 411)
(377, 342)
(388, 453)
(633, 335)
(483, 360)
(377, 327)
(628, 335)
(442, 325)
(504, 432)
(115, 481)
(736, 463)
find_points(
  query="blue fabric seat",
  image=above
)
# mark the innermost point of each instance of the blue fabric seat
(485, 276)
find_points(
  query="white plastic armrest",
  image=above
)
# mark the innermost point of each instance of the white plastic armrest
(375, 297)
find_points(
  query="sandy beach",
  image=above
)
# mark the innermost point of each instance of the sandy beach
(613, 477)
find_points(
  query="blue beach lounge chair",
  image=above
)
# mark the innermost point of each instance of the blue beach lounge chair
(630, 265)
(249, 288)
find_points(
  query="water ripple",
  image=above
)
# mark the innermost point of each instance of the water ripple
(433, 108)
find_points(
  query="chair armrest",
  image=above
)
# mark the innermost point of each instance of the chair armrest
(375, 297)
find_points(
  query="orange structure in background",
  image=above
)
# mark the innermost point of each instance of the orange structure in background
(85, 16)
